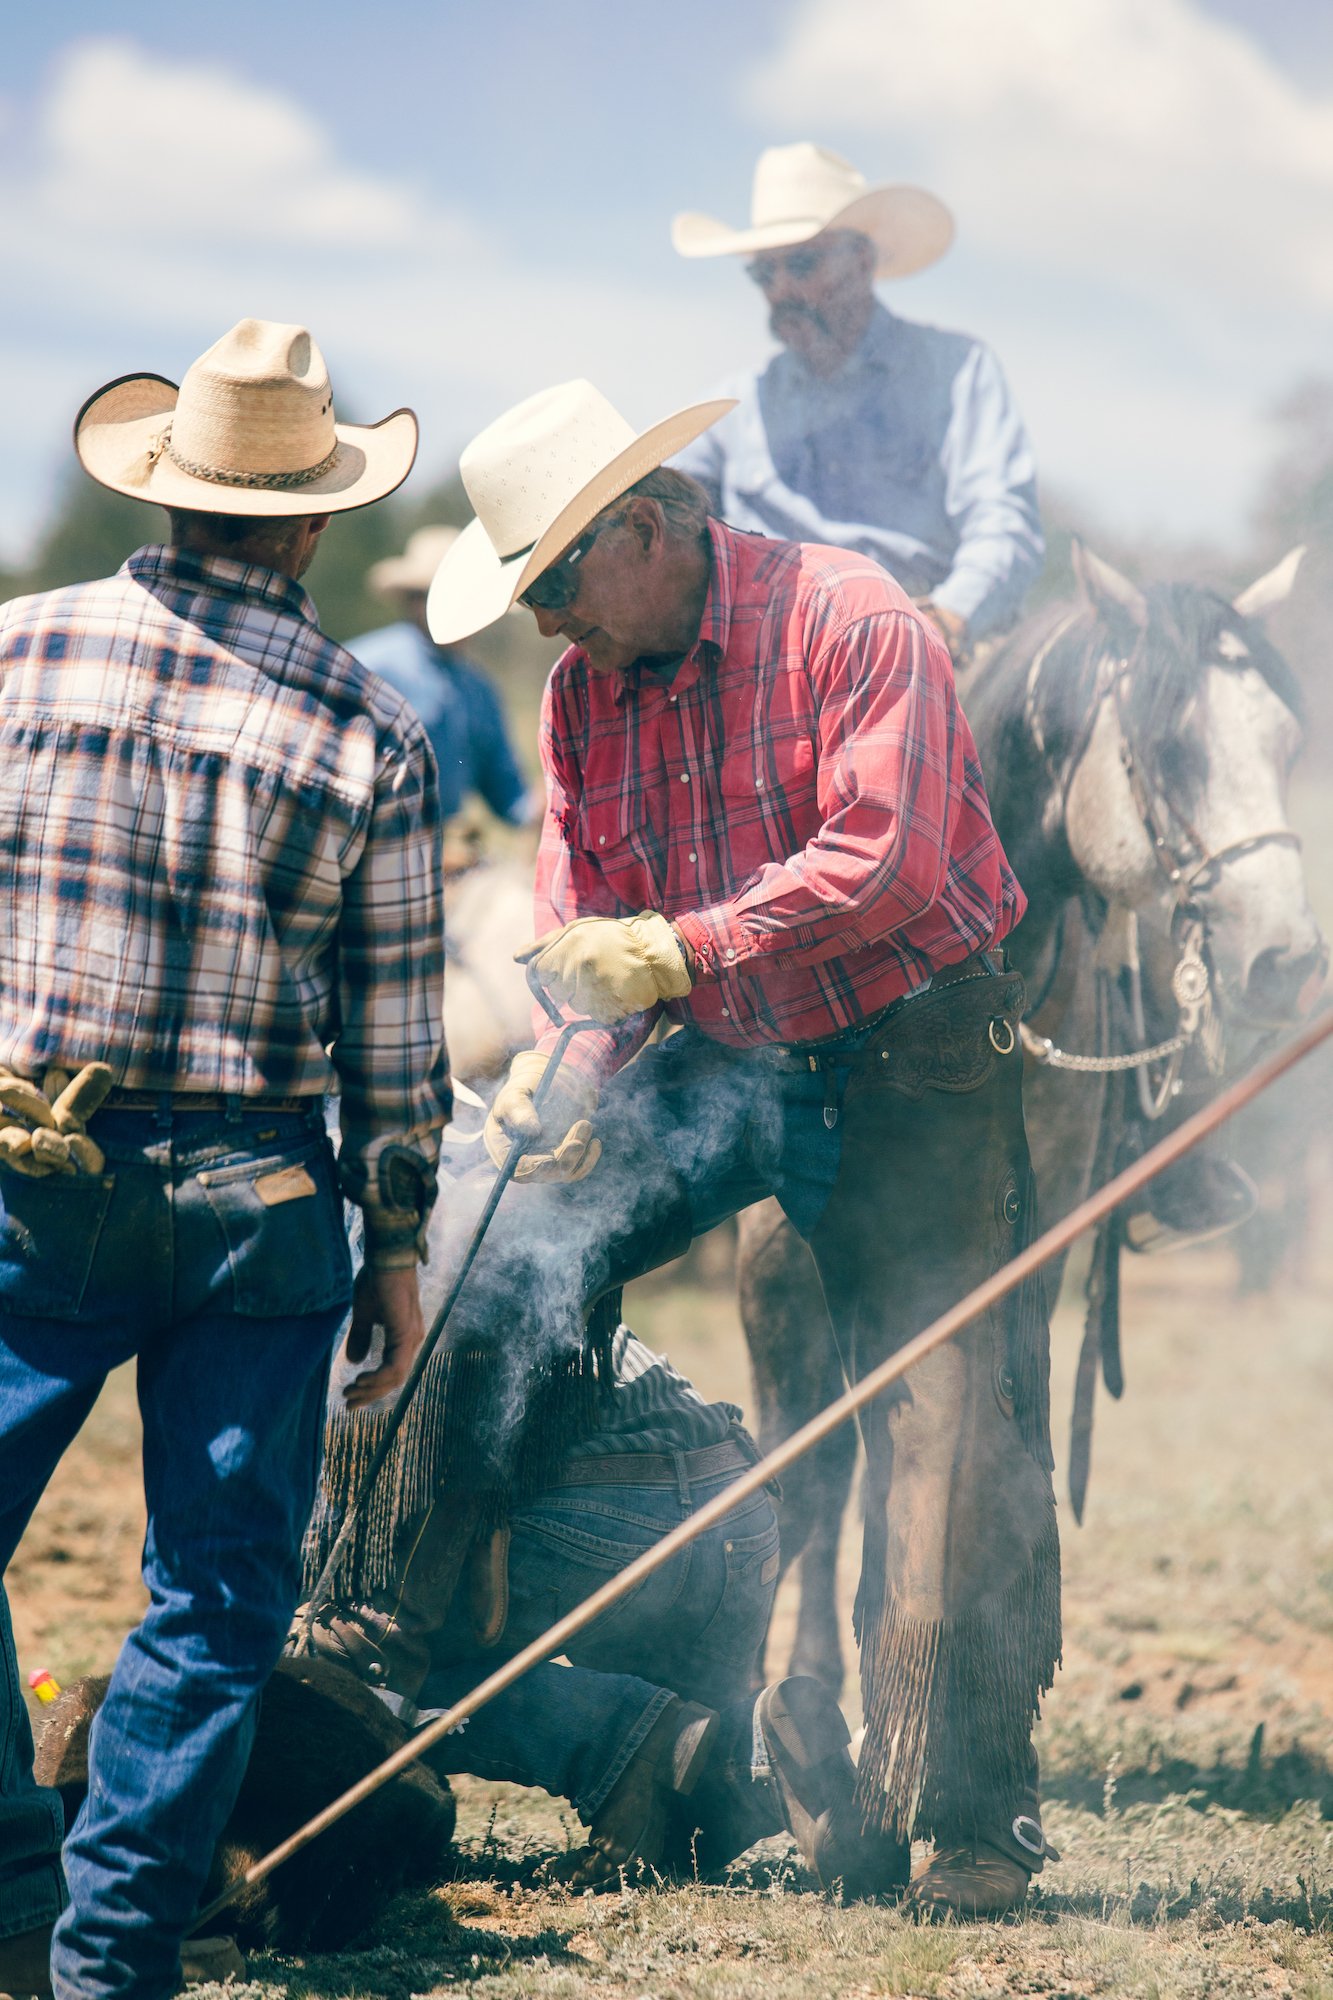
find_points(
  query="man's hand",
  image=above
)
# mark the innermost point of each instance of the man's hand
(608, 968)
(561, 1146)
(951, 628)
(392, 1300)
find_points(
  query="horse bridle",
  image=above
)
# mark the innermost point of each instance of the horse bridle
(1182, 862)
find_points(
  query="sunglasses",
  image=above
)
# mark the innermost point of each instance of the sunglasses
(796, 264)
(558, 585)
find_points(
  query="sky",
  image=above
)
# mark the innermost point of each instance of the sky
(468, 203)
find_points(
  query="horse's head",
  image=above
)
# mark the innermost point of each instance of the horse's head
(1176, 788)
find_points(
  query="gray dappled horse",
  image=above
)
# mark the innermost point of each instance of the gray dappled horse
(1136, 747)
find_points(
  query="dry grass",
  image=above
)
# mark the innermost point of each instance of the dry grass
(1187, 1749)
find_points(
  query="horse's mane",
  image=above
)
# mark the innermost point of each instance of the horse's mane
(1186, 624)
(1031, 706)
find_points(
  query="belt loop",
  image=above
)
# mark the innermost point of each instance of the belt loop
(233, 1107)
(683, 1482)
(162, 1112)
(830, 1093)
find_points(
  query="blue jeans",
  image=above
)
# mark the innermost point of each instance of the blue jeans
(230, 1286)
(694, 1629)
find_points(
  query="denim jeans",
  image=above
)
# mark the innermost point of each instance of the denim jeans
(694, 1629)
(229, 1284)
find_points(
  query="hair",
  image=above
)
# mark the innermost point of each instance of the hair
(263, 535)
(683, 501)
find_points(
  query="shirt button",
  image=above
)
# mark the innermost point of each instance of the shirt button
(726, 1013)
(673, 697)
(759, 784)
(730, 952)
(694, 857)
(684, 777)
(728, 1546)
(601, 840)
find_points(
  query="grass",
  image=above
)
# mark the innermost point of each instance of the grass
(1187, 1749)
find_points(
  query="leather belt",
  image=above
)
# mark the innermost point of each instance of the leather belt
(655, 1468)
(841, 1050)
(180, 1101)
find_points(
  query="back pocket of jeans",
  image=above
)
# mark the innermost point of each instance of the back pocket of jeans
(49, 1231)
(281, 1222)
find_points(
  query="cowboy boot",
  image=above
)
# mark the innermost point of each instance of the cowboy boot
(988, 1873)
(794, 1770)
(25, 1963)
(630, 1830)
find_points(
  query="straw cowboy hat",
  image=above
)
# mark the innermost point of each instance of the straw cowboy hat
(250, 431)
(536, 477)
(412, 571)
(802, 190)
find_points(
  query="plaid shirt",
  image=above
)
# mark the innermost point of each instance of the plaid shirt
(802, 798)
(218, 851)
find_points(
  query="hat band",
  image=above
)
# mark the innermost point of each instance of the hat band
(269, 481)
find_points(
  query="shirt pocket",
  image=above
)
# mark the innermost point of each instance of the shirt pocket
(281, 1222)
(613, 842)
(769, 808)
(49, 1231)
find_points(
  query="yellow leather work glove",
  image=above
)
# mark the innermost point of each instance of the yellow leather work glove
(53, 1141)
(560, 1136)
(608, 968)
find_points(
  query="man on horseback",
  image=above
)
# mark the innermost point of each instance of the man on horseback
(766, 820)
(868, 431)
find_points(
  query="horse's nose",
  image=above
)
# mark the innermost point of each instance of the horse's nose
(1284, 983)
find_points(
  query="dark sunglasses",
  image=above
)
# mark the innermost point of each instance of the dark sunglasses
(558, 585)
(796, 264)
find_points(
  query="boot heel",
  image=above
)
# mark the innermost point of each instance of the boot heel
(692, 1747)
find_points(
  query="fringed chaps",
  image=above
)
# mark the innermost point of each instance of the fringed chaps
(958, 1613)
(483, 1433)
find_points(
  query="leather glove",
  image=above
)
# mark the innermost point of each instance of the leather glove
(560, 1135)
(53, 1141)
(608, 968)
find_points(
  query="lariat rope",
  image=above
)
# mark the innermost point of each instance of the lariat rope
(1008, 1278)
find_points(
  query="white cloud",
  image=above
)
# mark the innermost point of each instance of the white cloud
(193, 147)
(163, 200)
(1138, 137)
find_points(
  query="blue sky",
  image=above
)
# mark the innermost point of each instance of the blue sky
(467, 203)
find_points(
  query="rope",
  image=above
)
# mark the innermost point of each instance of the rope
(1053, 1243)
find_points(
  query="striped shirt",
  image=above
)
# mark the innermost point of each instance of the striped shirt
(218, 851)
(802, 797)
(653, 1408)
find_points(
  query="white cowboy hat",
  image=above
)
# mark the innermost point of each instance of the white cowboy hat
(413, 569)
(536, 477)
(802, 190)
(250, 431)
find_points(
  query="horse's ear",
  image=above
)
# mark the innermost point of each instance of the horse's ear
(1272, 589)
(1109, 593)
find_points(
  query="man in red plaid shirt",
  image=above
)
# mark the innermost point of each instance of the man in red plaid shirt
(767, 822)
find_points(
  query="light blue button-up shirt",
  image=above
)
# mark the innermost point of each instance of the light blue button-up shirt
(913, 453)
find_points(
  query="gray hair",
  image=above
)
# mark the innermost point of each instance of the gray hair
(683, 501)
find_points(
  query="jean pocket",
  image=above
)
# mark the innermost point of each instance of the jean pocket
(49, 1232)
(282, 1225)
(751, 1578)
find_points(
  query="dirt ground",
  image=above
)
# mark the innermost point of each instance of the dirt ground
(1187, 1748)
